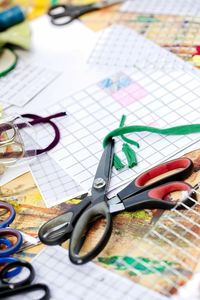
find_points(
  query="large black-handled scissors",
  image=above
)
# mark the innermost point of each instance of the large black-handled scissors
(148, 191)
(64, 14)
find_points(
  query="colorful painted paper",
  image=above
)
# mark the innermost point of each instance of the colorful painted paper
(24, 195)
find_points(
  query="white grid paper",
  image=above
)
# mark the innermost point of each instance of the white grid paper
(87, 282)
(120, 46)
(165, 7)
(25, 82)
(170, 100)
(53, 182)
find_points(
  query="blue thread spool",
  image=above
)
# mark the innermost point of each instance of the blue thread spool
(10, 17)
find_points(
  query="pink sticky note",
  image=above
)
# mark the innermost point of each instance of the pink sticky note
(126, 100)
(119, 94)
(139, 94)
(130, 94)
(132, 88)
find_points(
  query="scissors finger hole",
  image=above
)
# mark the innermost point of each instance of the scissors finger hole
(92, 235)
(10, 273)
(4, 214)
(7, 133)
(57, 229)
(14, 242)
(11, 152)
(62, 20)
(35, 292)
(179, 166)
(57, 11)
(7, 243)
(24, 277)
(7, 214)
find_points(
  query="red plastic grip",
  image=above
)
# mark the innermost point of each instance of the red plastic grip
(162, 169)
(162, 191)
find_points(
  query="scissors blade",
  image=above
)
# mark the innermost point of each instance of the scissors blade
(105, 3)
(103, 173)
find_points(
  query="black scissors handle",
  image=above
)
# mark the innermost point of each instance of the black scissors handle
(15, 264)
(97, 209)
(59, 229)
(27, 289)
(22, 286)
(177, 169)
(65, 14)
(80, 231)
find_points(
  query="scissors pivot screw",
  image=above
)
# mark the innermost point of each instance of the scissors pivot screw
(99, 183)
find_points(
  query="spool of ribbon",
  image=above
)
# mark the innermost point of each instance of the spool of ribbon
(10, 17)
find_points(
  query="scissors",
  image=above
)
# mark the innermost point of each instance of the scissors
(10, 239)
(12, 145)
(141, 193)
(65, 14)
(9, 288)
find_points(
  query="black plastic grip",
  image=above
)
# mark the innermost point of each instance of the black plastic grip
(59, 229)
(76, 242)
(8, 267)
(27, 289)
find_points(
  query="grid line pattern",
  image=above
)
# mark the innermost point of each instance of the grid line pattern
(55, 185)
(170, 7)
(92, 113)
(25, 82)
(174, 237)
(120, 46)
(77, 282)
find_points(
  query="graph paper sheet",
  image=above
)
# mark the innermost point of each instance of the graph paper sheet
(120, 46)
(145, 97)
(25, 82)
(88, 282)
(53, 182)
(169, 7)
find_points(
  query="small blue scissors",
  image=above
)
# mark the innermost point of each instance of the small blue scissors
(10, 239)
(65, 14)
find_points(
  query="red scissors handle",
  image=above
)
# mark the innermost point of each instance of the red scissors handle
(177, 169)
(156, 198)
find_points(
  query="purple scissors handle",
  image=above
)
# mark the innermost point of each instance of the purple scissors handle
(7, 233)
(34, 120)
(9, 208)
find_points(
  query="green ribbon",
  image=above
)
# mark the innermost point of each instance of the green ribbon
(130, 154)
